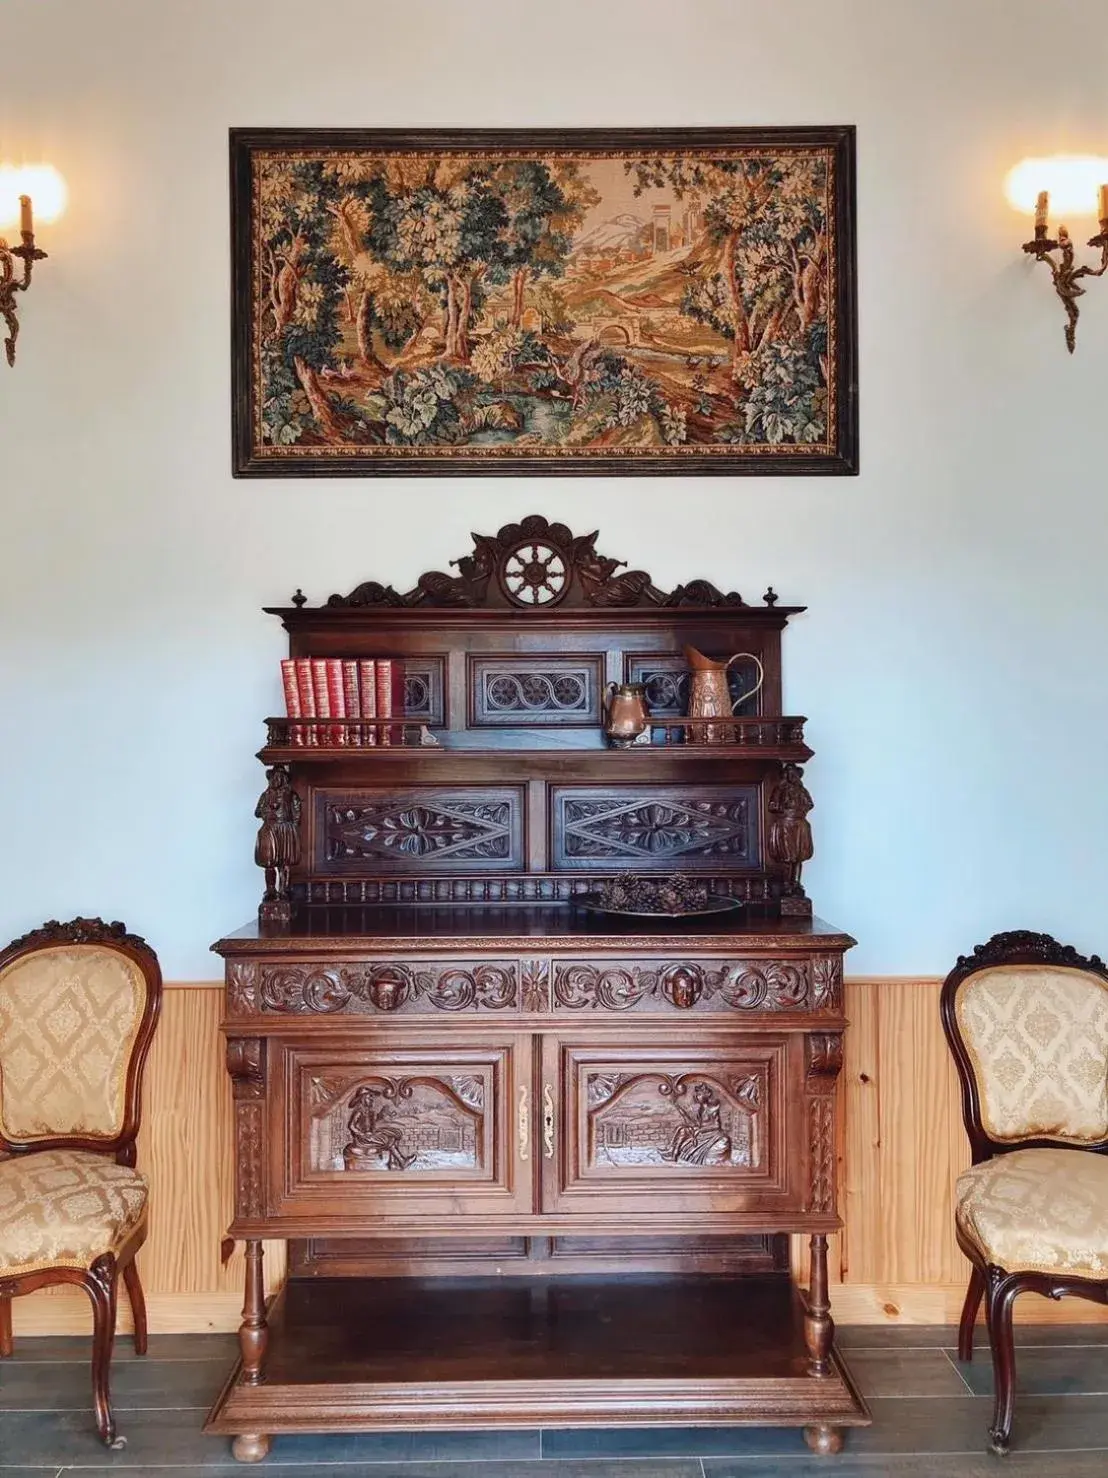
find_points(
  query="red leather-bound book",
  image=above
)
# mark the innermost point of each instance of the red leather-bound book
(336, 697)
(292, 699)
(384, 668)
(306, 690)
(367, 694)
(322, 698)
(353, 699)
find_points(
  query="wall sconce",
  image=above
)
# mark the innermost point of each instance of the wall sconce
(1075, 182)
(19, 189)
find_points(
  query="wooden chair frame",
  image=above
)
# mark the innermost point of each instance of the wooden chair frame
(996, 1285)
(100, 1281)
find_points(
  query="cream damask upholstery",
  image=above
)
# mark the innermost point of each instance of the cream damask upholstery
(65, 1208)
(1038, 1210)
(69, 1016)
(1038, 1040)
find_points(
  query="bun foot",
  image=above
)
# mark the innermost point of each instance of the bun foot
(250, 1447)
(824, 1440)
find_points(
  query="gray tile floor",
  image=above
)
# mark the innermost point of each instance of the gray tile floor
(929, 1412)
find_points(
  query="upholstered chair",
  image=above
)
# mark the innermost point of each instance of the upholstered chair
(1027, 1021)
(78, 1007)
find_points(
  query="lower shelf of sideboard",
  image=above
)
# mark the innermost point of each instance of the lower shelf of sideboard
(639, 1350)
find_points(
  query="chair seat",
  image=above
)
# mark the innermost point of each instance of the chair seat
(1043, 1210)
(65, 1208)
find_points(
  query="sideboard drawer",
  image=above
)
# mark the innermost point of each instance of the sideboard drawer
(401, 1132)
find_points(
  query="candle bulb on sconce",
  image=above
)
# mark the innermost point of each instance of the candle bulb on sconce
(1075, 185)
(18, 187)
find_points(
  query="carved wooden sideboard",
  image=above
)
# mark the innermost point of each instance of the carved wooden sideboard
(535, 1164)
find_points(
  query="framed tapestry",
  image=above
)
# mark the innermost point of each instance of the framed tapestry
(544, 301)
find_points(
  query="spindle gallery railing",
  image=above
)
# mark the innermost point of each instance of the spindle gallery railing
(383, 735)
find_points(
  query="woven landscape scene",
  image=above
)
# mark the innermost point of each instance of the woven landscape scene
(457, 307)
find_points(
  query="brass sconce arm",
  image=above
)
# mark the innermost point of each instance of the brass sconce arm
(1063, 272)
(10, 284)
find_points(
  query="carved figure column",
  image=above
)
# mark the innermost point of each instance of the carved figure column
(277, 848)
(790, 832)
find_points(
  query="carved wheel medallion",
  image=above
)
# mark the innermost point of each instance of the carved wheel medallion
(534, 574)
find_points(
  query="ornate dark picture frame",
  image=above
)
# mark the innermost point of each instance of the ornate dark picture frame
(570, 302)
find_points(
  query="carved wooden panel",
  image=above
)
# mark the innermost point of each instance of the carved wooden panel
(423, 689)
(683, 1119)
(420, 830)
(548, 690)
(683, 985)
(656, 828)
(397, 1124)
(406, 986)
(695, 1124)
(386, 1135)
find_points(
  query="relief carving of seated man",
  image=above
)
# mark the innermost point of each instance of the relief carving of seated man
(371, 1139)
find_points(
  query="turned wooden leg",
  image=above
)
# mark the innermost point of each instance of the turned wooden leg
(101, 1287)
(824, 1440)
(250, 1447)
(138, 1305)
(999, 1297)
(6, 1344)
(253, 1331)
(819, 1327)
(974, 1294)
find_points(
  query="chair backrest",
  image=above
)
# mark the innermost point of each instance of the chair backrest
(78, 1006)
(1027, 1021)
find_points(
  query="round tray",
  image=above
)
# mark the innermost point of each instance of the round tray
(712, 905)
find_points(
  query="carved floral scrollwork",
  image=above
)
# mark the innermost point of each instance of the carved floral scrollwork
(744, 987)
(292, 989)
(535, 985)
(612, 989)
(770, 988)
(246, 1066)
(827, 983)
(242, 987)
(507, 569)
(823, 1061)
(821, 1154)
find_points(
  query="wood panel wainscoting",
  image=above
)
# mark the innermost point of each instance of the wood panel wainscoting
(902, 1145)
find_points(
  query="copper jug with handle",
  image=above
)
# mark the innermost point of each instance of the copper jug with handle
(625, 713)
(710, 697)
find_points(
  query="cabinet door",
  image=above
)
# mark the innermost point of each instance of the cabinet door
(665, 1127)
(390, 1134)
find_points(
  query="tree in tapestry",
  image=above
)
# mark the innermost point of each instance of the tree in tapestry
(542, 304)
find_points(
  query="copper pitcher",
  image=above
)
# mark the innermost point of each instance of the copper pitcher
(710, 697)
(625, 715)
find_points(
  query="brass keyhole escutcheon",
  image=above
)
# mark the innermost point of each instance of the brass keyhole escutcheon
(548, 1120)
(524, 1124)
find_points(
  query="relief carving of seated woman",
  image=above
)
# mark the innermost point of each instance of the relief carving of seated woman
(701, 1139)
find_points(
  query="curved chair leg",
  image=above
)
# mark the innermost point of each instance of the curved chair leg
(974, 1294)
(101, 1286)
(1000, 1296)
(6, 1345)
(138, 1305)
